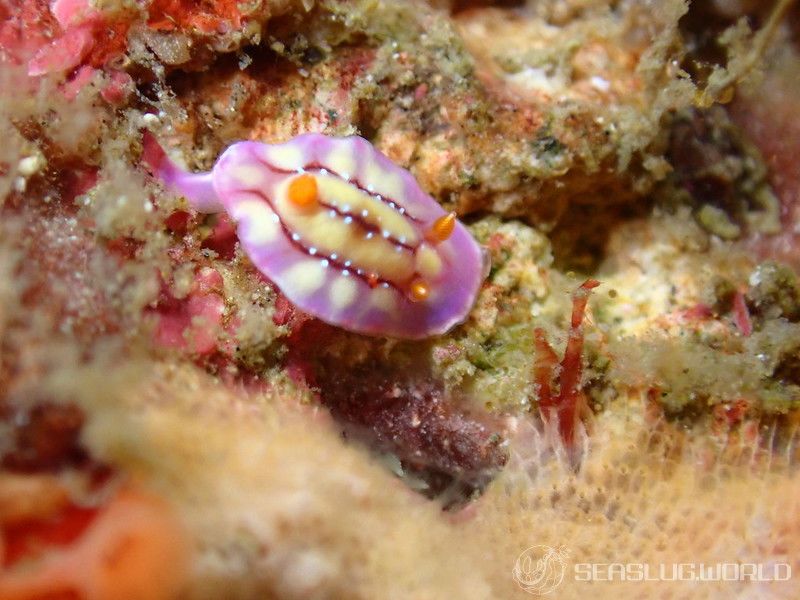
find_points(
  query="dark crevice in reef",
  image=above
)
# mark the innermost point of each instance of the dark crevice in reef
(704, 22)
(43, 437)
(367, 120)
(399, 411)
(720, 174)
(716, 171)
(580, 238)
(701, 26)
(235, 91)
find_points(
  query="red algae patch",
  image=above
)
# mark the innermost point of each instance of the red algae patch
(133, 547)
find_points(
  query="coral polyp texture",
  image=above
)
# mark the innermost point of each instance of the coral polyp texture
(346, 235)
(375, 299)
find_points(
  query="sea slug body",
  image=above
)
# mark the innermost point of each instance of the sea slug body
(347, 235)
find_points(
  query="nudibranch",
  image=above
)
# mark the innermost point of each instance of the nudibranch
(347, 235)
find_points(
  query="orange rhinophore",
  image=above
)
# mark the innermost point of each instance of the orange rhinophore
(303, 190)
(442, 228)
(419, 290)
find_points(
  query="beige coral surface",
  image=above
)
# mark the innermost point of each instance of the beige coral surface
(276, 502)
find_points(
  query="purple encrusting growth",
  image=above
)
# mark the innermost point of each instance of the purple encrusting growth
(360, 245)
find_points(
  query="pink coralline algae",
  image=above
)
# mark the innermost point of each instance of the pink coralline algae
(88, 36)
(193, 323)
(347, 235)
(70, 40)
